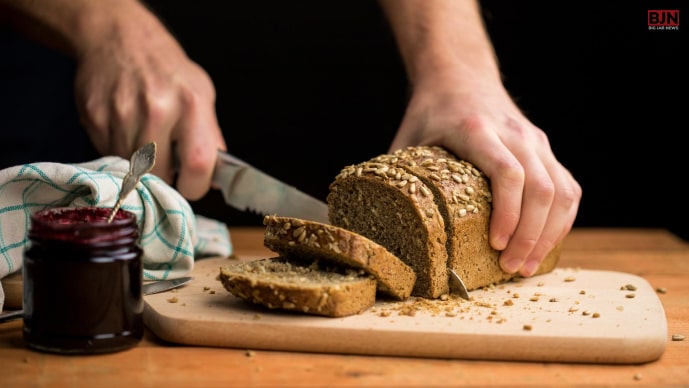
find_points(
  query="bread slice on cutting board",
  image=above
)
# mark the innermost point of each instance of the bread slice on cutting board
(430, 209)
(316, 288)
(321, 269)
(302, 239)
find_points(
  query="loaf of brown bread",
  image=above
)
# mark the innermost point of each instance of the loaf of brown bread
(301, 239)
(424, 181)
(312, 288)
(396, 209)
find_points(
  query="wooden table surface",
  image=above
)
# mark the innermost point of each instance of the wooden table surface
(655, 254)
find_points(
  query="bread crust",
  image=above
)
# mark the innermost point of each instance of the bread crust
(460, 194)
(280, 283)
(464, 199)
(302, 239)
(395, 209)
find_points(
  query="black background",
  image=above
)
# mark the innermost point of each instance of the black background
(307, 87)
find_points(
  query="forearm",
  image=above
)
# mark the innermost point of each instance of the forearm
(441, 38)
(74, 26)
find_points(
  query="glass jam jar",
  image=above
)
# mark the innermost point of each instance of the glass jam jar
(82, 281)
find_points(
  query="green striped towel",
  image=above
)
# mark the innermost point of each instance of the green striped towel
(171, 235)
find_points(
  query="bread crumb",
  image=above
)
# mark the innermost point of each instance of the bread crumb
(661, 290)
(637, 376)
(250, 353)
(173, 300)
(527, 327)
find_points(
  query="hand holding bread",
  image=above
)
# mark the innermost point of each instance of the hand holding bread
(400, 219)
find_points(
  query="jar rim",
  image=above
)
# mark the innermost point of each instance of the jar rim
(65, 217)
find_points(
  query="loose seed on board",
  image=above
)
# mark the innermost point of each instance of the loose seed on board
(678, 337)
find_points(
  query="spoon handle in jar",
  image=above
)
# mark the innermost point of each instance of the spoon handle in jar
(141, 162)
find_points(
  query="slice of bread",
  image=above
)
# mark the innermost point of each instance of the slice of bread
(302, 239)
(461, 195)
(396, 209)
(314, 288)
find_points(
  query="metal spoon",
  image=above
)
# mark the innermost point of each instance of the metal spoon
(141, 162)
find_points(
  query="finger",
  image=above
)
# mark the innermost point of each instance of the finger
(560, 219)
(161, 115)
(126, 118)
(199, 137)
(539, 191)
(93, 113)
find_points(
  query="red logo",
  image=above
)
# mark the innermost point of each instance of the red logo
(663, 18)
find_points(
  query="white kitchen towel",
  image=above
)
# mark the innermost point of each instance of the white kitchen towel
(171, 235)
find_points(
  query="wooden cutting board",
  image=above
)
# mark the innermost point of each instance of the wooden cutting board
(569, 315)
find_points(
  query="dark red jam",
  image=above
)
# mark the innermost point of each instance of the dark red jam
(82, 281)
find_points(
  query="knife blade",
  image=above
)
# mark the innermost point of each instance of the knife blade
(147, 289)
(457, 285)
(246, 188)
(164, 285)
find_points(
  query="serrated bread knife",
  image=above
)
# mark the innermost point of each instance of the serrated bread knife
(246, 188)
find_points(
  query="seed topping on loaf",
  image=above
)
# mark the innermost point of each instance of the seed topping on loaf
(470, 194)
(381, 168)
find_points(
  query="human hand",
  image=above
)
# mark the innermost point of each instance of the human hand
(535, 198)
(134, 85)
